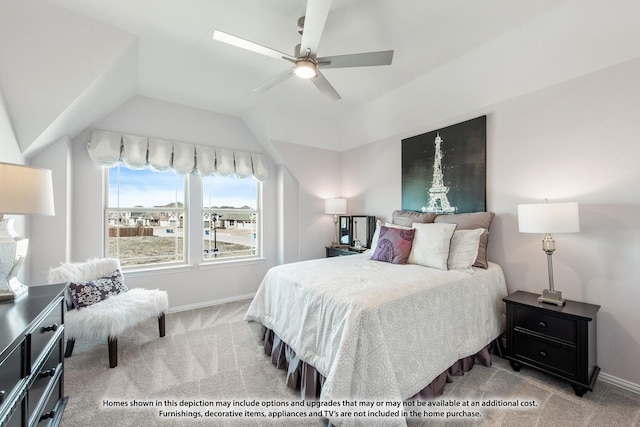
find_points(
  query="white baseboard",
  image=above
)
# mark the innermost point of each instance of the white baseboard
(210, 303)
(619, 382)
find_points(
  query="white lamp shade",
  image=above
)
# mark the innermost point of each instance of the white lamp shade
(25, 190)
(549, 218)
(335, 206)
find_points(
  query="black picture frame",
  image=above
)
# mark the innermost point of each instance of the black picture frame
(462, 186)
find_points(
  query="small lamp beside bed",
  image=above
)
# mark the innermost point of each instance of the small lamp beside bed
(335, 207)
(546, 218)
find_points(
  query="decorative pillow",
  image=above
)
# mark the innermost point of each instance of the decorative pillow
(394, 245)
(407, 218)
(472, 221)
(464, 249)
(376, 234)
(84, 294)
(431, 245)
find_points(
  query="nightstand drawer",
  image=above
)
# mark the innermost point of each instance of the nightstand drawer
(545, 323)
(547, 355)
(44, 333)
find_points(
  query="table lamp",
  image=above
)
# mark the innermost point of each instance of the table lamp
(24, 190)
(547, 218)
(335, 207)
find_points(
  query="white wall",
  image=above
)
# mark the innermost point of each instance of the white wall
(10, 153)
(192, 286)
(317, 172)
(50, 236)
(575, 141)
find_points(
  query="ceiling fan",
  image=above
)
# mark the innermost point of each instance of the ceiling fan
(306, 63)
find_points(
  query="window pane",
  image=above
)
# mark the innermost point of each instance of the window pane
(229, 192)
(144, 188)
(230, 217)
(146, 217)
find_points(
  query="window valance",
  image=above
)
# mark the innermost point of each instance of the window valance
(109, 149)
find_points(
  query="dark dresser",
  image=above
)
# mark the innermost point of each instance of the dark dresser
(560, 341)
(32, 358)
(341, 251)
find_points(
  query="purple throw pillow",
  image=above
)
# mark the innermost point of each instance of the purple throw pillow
(84, 294)
(394, 245)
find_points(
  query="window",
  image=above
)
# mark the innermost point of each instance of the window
(230, 217)
(146, 217)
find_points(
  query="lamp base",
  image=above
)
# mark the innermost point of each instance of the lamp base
(13, 251)
(551, 297)
(17, 291)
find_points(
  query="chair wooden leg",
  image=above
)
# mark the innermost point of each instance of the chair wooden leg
(113, 352)
(161, 324)
(69, 349)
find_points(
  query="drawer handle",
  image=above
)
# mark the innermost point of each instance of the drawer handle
(2, 393)
(542, 324)
(48, 373)
(53, 327)
(543, 354)
(46, 415)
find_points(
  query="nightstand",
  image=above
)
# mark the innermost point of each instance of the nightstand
(338, 251)
(560, 341)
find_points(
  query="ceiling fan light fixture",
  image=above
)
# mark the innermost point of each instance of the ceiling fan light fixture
(305, 69)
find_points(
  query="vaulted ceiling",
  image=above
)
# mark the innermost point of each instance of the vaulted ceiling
(66, 63)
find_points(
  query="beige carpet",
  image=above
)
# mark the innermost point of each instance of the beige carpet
(211, 355)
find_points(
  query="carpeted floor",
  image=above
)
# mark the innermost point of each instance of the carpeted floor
(211, 355)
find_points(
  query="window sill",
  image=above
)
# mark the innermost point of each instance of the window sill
(207, 265)
(150, 271)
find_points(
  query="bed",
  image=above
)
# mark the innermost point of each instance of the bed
(358, 328)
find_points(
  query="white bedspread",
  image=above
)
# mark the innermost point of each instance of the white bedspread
(379, 331)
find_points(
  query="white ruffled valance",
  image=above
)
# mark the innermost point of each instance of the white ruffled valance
(109, 149)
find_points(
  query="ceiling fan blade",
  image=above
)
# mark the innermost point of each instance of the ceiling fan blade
(246, 44)
(325, 87)
(314, 19)
(277, 79)
(368, 59)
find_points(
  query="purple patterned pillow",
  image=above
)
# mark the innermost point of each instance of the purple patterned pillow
(394, 245)
(84, 294)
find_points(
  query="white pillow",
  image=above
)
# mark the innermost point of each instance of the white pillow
(431, 244)
(464, 249)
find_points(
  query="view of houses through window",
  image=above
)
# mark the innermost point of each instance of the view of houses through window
(230, 216)
(147, 217)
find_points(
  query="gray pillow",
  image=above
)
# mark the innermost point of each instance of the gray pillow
(471, 221)
(407, 218)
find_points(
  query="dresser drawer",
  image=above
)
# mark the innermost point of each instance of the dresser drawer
(53, 408)
(48, 373)
(10, 375)
(44, 333)
(546, 323)
(548, 355)
(15, 419)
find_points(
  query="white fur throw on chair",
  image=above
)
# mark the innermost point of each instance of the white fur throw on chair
(107, 319)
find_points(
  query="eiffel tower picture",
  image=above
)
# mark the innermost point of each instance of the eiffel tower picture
(444, 170)
(438, 201)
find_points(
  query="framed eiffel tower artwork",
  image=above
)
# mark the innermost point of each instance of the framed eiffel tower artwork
(444, 171)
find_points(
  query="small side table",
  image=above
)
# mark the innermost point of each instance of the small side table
(560, 341)
(338, 251)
